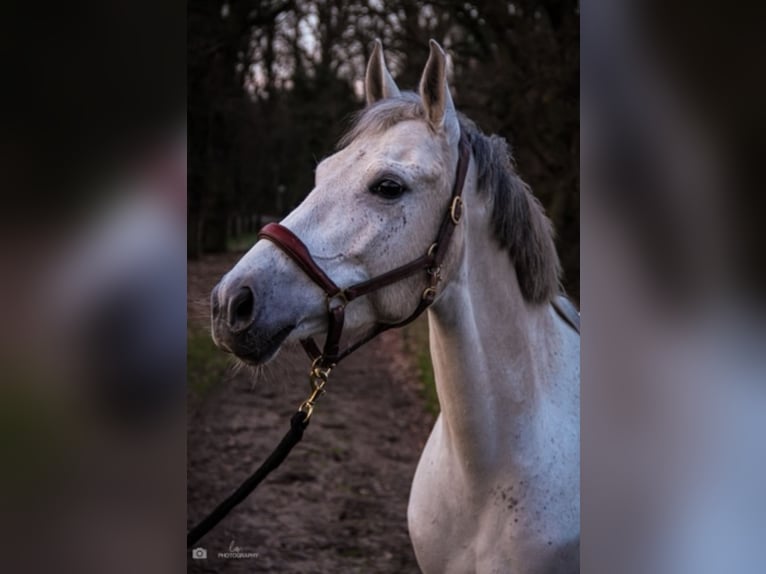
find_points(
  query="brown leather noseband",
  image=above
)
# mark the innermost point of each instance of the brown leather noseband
(337, 298)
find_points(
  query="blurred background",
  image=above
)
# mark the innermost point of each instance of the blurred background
(272, 84)
(674, 316)
(92, 286)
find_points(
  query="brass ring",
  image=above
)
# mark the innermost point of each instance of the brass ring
(429, 292)
(315, 363)
(432, 249)
(318, 373)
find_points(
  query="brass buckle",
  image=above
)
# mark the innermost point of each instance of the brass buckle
(456, 209)
(341, 295)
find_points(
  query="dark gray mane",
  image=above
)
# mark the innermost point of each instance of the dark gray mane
(518, 221)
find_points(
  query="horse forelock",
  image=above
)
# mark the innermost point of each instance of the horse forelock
(517, 219)
(382, 115)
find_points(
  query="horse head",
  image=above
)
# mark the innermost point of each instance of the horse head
(377, 204)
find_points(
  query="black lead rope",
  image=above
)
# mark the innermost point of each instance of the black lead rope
(298, 424)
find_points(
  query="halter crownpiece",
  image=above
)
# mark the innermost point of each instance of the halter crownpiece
(337, 298)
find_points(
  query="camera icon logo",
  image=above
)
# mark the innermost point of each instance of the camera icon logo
(199, 554)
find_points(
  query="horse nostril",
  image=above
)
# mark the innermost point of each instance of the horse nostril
(241, 308)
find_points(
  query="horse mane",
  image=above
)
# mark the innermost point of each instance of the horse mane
(518, 221)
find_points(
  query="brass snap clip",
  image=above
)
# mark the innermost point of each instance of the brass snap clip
(307, 406)
(318, 376)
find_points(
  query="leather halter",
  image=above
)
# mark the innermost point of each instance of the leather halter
(337, 297)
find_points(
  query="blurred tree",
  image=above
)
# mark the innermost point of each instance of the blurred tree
(273, 81)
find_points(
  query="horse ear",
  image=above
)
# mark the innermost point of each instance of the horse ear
(378, 83)
(437, 101)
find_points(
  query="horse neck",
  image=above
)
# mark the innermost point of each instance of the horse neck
(494, 356)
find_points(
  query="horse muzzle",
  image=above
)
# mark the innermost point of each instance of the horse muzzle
(235, 328)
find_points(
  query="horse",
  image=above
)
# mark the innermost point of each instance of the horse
(497, 485)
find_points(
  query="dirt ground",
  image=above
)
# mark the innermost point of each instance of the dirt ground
(339, 502)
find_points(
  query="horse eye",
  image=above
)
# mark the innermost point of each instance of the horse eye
(388, 189)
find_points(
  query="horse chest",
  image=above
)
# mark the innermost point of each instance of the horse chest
(460, 525)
